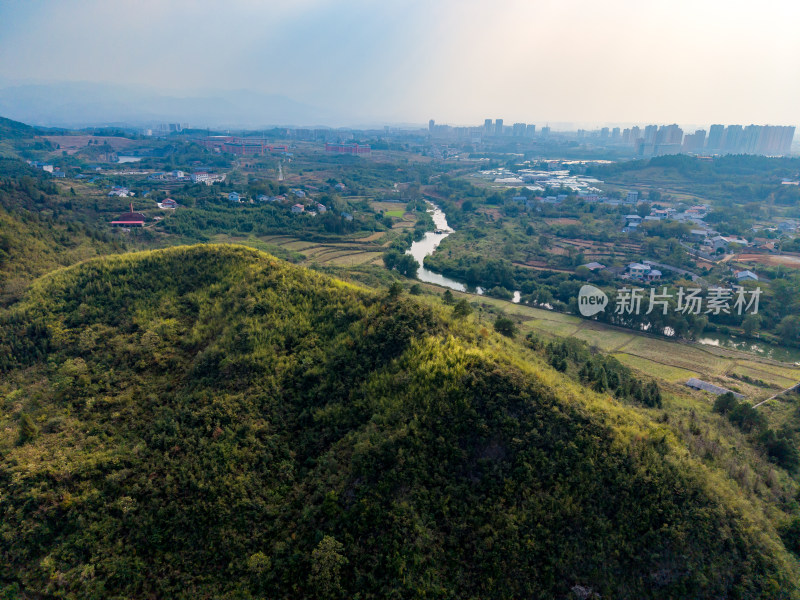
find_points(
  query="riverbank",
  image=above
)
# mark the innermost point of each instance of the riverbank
(670, 361)
(428, 244)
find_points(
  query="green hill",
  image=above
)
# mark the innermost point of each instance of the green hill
(41, 230)
(210, 422)
(13, 135)
(15, 129)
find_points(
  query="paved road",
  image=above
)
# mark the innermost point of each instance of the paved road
(794, 387)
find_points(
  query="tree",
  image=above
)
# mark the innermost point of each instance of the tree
(27, 428)
(326, 565)
(402, 263)
(789, 328)
(448, 298)
(790, 534)
(395, 289)
(751, 324)
(505, 326)
(725, 403)
(781, 448)
(462, 309)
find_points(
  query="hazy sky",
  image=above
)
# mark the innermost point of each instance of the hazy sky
(458, 61)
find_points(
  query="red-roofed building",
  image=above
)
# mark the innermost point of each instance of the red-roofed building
(129, 219)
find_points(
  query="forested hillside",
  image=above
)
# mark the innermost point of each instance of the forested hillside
(41, 229)
(210, 422)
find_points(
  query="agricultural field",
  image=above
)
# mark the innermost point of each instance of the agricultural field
(772, 260)
(72, 143)
(346, 253)
(671, 362)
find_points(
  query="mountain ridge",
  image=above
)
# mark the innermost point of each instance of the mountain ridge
(209, 421)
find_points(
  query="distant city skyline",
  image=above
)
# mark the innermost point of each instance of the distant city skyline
(618, 63)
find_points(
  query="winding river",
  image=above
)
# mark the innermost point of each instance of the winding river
(419, 250)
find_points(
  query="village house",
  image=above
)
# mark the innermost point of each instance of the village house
(698, 235)
(631, 219)
(638, 270)
(129, 219)
(168, 203)
(298, 208)
(653, 275)
(594, 266)
(746, 276)
(120, 191)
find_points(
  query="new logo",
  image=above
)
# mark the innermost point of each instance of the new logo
(591, 300)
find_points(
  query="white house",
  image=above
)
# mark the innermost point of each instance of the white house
(638, 270)
(594, 266)
(168, 203)
(298, 208)
(746, 276)
(234, 197)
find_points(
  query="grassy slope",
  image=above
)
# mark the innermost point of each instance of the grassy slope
(214, 423)
(40, 232)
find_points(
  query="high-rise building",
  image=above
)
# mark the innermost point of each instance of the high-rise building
(694, 142)
(498, 126)
(487, 127)
(431, 125)
(530, 130)
(715, 133)
(518, 130)
(615, 134)
(669, 134)
(766, 139)
(604, 133)
(650, 134)
(732, 139)
(636, 134)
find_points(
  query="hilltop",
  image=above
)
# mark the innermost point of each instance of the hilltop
(15, 129)
(209, 421)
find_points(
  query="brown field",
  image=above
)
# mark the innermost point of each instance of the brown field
(388, 206)
(561, 221)
(372, 237)
(540, 265)
(492, 212)
(786, 260)
(73, 143)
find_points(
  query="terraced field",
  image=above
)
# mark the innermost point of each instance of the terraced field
(348, 253)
